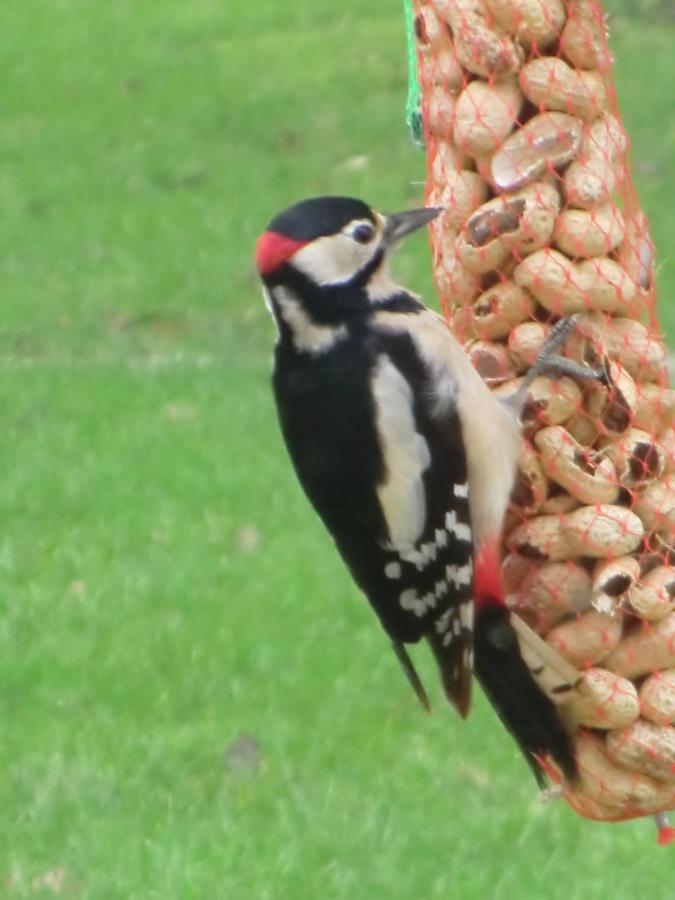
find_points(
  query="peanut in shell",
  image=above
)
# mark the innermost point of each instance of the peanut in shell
(583, 473)
(551, 84)
(611, 786)
(603, 700)
(584, 38)
(657, 697)
(485, 114)
(653, 597)
(534, 23)
(602, 530)
(595, 232)
(482, 48)
(645, 747)
(548, 141)
(587, 639)
(645, 649)
(549, 592)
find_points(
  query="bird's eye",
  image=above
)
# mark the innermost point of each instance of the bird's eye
(363, 233)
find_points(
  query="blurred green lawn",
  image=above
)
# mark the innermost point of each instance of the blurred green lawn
(196, 703)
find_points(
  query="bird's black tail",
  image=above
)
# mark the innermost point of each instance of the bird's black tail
(452, 647)
(524, 708)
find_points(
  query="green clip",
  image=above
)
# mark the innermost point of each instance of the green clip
(413, 107)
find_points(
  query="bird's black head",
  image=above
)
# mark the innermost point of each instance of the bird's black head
(332, 240)
(323, 262)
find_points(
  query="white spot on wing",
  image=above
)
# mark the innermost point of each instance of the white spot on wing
(442, 622)
(466, 615)
(429, 600)
(392, 570)
(461, 531)
(406, 457)
(441, 537)
(413, 556)
(460, 576)
(461, 490)
(429, 551)
(408, 599)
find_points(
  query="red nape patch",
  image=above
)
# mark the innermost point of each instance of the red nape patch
(272, 250)
(487, 581)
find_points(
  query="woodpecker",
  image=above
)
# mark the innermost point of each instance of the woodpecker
(405, 455)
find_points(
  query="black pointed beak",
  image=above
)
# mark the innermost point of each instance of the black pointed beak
(398, 225)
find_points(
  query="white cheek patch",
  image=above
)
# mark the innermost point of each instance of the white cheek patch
(334, 259)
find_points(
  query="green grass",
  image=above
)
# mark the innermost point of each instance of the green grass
(165, 590)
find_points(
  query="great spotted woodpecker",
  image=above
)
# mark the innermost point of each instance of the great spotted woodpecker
(405, 454)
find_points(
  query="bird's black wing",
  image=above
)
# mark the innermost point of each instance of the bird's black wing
(388, 476)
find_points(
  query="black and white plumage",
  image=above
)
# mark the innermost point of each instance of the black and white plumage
(378, 404)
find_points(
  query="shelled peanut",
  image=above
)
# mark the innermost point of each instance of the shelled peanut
(528, 156)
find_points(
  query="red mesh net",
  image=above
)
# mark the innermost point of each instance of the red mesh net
(527, 153)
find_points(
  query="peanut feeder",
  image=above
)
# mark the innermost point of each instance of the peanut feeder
(527, 151)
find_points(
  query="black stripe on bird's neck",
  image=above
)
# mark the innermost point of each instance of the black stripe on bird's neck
(336, 304)
(400, 302)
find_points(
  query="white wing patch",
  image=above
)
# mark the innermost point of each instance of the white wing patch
(406, 458)
(486, 423)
